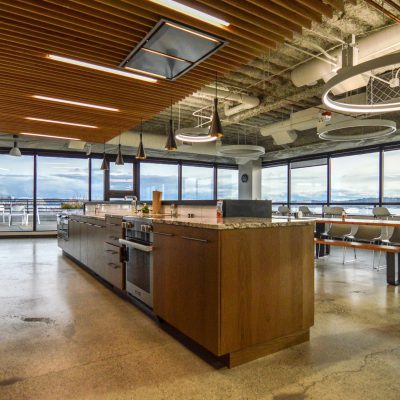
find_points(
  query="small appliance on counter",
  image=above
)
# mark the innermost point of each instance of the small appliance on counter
(245, 208)
(138, 244)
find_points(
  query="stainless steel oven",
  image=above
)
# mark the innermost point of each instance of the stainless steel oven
(138, 243)
(62, 226)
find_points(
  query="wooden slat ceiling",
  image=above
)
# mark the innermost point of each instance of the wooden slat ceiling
(104, 32)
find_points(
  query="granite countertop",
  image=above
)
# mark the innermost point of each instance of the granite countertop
(231, 223)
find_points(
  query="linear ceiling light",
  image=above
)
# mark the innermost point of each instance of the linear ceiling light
(75, 103)
(145, 72)
(47, 136)
(192, 32)
(60, 122)
(101, 68)
(164, 55)
(192, 12)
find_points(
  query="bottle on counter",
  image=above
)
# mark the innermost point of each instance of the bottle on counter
(220, 208)
(343, 215)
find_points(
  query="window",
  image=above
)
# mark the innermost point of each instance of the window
(121, 176)
(62, 184)
(308, 184)
(391, 176)
(97, 180)
(197, 183)
(274, 183)
(355, 179)
(16, 193)
(162, 177)
(228, 183)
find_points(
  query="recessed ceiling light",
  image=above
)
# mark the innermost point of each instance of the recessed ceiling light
(100, 68)
(60, 122)
(192, 12)
(48, 136)
(75, 103)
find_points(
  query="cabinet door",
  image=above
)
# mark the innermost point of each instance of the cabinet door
(74, 237)
(84, 243)
(186, 281)
(114, 272)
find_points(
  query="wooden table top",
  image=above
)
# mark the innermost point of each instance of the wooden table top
(350, 221)
(356, 221)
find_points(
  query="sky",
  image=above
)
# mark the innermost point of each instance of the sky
(353, 178)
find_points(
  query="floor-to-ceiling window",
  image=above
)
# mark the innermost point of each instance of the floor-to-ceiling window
(228, 183)
(121, 181)
(197, 183)
(391, 180)
(62, 184)
(308, 181)
(16, 193)
(97, 180)
(355, 182)
(161, 177)
(274, 184)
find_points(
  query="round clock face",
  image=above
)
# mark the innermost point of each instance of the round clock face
(245, 178)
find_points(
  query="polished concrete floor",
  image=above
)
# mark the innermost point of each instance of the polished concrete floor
(63, 335)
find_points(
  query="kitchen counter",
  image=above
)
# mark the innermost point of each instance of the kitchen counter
(231, 223)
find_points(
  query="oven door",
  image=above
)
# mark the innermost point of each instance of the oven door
(139, 271)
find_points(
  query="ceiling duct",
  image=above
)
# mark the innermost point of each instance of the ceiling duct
(285, 132)
(245, 102)
(370, 47)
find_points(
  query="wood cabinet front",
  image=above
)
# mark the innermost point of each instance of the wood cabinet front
(186, 281)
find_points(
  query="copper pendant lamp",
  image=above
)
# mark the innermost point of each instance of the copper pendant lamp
(120, 159)
(104, 164)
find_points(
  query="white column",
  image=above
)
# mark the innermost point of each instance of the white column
(250, 190)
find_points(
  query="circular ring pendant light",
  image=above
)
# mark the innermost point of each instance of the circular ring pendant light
(337, 132)
(194, 135)
(242, 151)
(352, 72)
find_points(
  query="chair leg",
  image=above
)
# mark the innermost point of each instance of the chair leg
(344, 255)
(373, 259)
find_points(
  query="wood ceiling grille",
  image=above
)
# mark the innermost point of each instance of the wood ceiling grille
(104, 32)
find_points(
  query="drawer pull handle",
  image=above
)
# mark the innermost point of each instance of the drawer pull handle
(112, 251)
(195, 239)
(113, 265)
(113, 224)
(163, 234)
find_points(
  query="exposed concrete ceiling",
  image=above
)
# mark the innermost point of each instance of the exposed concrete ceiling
(268, 78)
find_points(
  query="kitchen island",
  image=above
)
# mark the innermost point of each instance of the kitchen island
(240, 287)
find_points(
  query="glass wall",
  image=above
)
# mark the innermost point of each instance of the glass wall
(309, 184)
(97, 180)
(16, 193)
(355, 179)
(274, 184)
(162, 177)
(62, 184)
(228, 183)
(121, 176)
(391, 176)
(197, 183)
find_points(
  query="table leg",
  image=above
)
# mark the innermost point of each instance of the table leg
(393, 269)
(322, 249)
